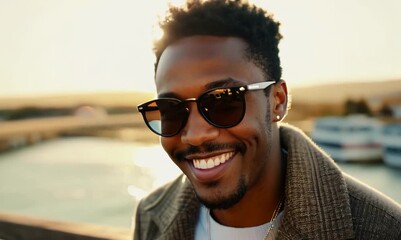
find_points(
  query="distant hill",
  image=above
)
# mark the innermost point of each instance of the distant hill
(319, 94)
(337, 93)
(108, 99)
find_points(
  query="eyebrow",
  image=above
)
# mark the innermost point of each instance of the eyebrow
(228, 82)
(223, 83)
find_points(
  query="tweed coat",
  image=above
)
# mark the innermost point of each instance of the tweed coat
(321, 202)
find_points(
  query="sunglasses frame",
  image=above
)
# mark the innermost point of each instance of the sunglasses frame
(144, 107)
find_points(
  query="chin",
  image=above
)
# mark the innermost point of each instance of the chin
(224, 202)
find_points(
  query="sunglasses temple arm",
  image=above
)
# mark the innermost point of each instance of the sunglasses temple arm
(259, 85)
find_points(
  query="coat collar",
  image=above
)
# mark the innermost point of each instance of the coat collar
(175, 211)
(316, 202)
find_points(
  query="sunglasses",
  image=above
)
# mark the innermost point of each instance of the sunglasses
(222, 107)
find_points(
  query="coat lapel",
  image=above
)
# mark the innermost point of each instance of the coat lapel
(176, 213)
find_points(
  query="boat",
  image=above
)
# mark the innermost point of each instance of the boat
(391, 143)
(352, 138)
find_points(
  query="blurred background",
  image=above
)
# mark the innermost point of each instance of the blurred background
(74, 149)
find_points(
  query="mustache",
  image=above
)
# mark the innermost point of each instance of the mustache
(209, 147)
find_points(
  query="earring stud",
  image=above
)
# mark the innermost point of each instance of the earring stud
(278, 117)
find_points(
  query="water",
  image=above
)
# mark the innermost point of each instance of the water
(88, 180)
(99, 181)
(377, 175)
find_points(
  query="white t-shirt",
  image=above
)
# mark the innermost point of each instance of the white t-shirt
(221, 232)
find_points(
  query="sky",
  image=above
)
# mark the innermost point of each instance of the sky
(66, 46)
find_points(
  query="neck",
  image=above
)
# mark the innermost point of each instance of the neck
(261, 200)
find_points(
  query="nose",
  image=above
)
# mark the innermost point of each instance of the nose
(197, 130)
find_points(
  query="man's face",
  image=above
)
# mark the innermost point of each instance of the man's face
(240, 154)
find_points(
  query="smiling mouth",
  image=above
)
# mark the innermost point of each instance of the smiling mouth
(208, 163)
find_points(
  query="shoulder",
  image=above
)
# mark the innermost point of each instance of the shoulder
(161, 208)
(373, 213)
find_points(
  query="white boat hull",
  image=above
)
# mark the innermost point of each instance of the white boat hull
(349, 139)
(391, 140)
(356, 154)
(392, 160)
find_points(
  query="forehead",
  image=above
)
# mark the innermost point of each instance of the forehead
(195, 62)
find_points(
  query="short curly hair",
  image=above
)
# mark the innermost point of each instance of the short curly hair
(225, 18)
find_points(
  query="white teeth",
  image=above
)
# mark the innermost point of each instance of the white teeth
(210, 164)
(216, 162)
(213, 161)
(223, 159)
(202, 164)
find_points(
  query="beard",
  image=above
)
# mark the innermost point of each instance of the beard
(225, 202)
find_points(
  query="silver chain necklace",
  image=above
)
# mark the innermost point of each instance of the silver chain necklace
(272, 220)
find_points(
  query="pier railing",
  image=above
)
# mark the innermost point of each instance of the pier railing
(57, 125)
(25, 132)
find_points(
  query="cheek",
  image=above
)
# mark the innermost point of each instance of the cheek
(168, 145)
(257, 117)
(256, 126)
(252, 130)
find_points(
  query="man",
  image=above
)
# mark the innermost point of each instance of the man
(245, 176)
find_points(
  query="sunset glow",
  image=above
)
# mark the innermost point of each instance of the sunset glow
(59, 46)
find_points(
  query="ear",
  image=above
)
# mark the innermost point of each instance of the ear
(280, 101)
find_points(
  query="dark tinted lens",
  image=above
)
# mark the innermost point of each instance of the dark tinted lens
(223, 107)
(165, 116)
